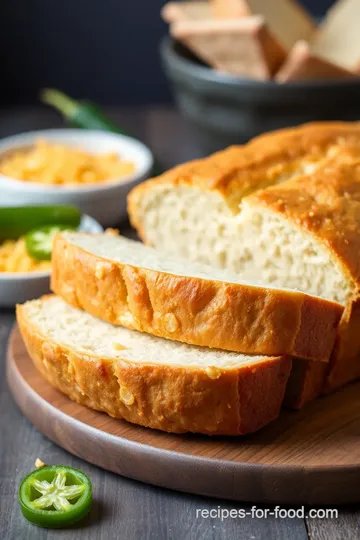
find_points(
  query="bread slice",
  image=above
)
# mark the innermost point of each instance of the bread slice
(302, 64)
(338, 38)
(150, 381)
(287, 20)
(299, 229)
(238, 47)
(182, 11)
(127, 283)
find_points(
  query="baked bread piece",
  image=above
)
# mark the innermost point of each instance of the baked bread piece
(302, 64)
(287, 20)
(301, 233)
(237, 46)
(338, 38)
(150, 381)
(126, 283)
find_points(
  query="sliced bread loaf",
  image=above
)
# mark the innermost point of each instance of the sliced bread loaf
(126, 283)
(299, 229)
(147, 380)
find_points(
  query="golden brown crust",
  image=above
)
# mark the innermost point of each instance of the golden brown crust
(170, 398)
(305, 383)
(239, 171)
(227, 316)
(344, 365)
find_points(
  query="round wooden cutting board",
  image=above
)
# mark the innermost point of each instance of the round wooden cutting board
(311, 456)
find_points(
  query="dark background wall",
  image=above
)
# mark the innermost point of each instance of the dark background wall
(105, 50)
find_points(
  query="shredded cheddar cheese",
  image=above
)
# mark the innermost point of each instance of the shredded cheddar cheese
(59, 164)
(15, 258)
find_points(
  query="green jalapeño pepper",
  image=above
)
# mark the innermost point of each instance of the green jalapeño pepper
(85, 115)
(55, 496)
(81, 114)
(17, 221)
(39, 241)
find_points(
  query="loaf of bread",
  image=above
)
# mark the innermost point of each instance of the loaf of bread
(148, 380)
(283, 210)
(126, 283)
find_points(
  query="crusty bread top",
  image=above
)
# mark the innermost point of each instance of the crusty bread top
(266, 160)
(74, 328)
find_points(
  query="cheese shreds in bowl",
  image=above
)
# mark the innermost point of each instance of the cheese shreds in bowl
(15, 258)
(55, 163)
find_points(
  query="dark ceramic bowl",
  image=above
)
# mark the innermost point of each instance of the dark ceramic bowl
(227, 110)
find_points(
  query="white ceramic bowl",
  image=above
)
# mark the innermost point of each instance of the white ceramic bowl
(105, 201)
(16, 288)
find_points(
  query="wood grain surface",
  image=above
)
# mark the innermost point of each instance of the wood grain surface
(315, 449)
(125, 508)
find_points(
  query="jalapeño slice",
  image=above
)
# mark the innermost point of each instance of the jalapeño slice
(55, 496)
(39, 241)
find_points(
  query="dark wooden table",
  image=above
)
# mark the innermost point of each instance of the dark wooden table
(125, 509)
